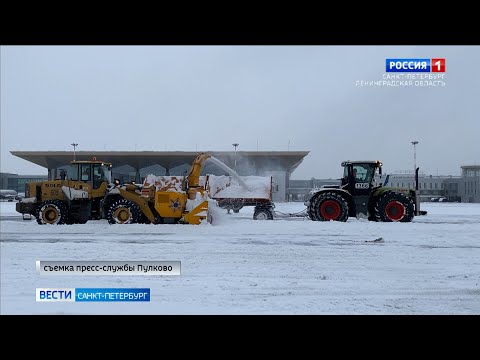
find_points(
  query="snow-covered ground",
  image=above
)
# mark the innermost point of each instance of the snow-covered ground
(241, 266)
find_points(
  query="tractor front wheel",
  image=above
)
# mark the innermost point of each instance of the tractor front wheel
(328, 206)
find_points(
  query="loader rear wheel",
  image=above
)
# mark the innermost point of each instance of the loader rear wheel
(52, 212)
(329, 207)
(123, 211)
(393, 206)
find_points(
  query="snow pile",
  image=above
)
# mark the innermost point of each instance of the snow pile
(226, 187)
(192, 204)
(167, 183)
(218, 187)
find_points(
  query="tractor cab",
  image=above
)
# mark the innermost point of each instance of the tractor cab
(358, 176)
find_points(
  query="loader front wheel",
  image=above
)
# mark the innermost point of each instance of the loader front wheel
(123, 211)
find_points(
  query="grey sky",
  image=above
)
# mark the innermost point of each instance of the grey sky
(208, 97)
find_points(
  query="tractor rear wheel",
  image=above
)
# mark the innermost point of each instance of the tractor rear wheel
(123, 211)
(328, 206)
(394, 206)
(53, 212)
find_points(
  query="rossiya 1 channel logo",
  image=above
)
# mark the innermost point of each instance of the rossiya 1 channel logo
(424, 72)
(415, 65)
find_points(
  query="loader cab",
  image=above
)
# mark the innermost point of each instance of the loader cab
(92, 172)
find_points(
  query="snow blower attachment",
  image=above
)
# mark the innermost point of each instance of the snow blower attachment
(161, 200)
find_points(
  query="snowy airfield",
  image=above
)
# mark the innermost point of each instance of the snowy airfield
(241, 266)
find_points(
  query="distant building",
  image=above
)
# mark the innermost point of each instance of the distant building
(299, 189)
(278, 164)
(429, 186)
(135, 165)
(469, 184)
(464, 188)
(17, 182)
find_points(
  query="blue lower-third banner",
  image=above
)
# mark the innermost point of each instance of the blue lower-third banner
(92, 294)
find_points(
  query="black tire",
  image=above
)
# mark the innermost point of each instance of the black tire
(53, 212)
(328, 206)
(236, 210)
(394, 206)
(262, 214)
(310, 209)
(209, 218)
(123, 211)
(235, 206)
(144, 219)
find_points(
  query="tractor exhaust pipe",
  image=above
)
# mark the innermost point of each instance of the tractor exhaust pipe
(417, 194)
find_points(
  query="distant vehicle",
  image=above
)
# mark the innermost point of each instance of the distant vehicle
(8, 195)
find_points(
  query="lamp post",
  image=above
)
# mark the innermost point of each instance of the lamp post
(414, 143)
(235, 161)
(74, 146)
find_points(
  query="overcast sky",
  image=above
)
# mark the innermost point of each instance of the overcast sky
(262, 97)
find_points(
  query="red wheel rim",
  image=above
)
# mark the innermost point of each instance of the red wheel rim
(330, 210)
(395, 210)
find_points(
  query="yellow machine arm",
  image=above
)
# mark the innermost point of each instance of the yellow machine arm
(195, 170)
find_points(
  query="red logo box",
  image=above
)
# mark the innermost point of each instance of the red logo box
(438, 65)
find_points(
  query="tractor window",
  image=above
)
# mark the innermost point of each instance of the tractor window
(360, 173)
(86, 172)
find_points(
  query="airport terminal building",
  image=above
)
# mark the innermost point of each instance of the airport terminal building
(136, 165)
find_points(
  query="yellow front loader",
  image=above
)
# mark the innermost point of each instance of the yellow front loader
(75, 197)
(184, 202)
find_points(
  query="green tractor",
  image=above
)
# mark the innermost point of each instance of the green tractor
(360, 196)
